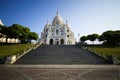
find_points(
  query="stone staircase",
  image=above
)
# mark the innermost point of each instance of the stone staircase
(60, 54)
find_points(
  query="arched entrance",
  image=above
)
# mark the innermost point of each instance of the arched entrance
(62, 41)
(57, 41)
(51, 41)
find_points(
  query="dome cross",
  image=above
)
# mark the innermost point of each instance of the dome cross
(57, 13)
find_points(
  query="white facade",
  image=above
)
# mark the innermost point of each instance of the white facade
(57, 33)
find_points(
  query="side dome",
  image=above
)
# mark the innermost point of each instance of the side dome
(47, 26)
(57, 20)
(67, 26)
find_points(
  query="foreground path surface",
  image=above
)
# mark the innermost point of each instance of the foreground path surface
(60, 54)
(59, 72)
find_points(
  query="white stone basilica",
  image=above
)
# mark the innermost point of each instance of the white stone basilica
(57, 33)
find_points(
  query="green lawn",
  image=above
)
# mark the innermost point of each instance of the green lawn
(105, 51)
(7, 50)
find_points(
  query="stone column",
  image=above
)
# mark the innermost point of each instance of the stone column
(53, 41)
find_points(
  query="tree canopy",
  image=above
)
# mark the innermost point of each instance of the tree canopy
(32, 36)
(111, 37)
(108, 37)
(83, 38)
(18, 31)
(93, 37)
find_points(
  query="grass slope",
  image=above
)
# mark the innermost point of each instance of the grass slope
(7, 50)
(115, 51)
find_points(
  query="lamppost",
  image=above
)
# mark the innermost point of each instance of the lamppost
(78, 37)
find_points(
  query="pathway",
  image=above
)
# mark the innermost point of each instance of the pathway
(59, 72)
(60, 54)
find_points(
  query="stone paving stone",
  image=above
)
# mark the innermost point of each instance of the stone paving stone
(11, 75)
(59, 74)
(72, 72)
(34, 72)
(103, 74)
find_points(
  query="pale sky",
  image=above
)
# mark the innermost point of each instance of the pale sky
(84, 16)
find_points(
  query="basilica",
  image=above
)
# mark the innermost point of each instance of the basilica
(57, 33)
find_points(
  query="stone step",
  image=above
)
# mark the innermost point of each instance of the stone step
(60, 54)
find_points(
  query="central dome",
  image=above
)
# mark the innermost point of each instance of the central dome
(57, 20)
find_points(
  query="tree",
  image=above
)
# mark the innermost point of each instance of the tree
(32, 36)
(21, 32)
(1, 35)
(18, 32)
(24, 35)
(5, 31)
(100, 38)
(117, 37)
(111, 37)
(93, 37)
(83, 38)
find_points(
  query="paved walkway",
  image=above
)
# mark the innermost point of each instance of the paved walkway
(47, 58)
(60, 54)
(59, 72)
